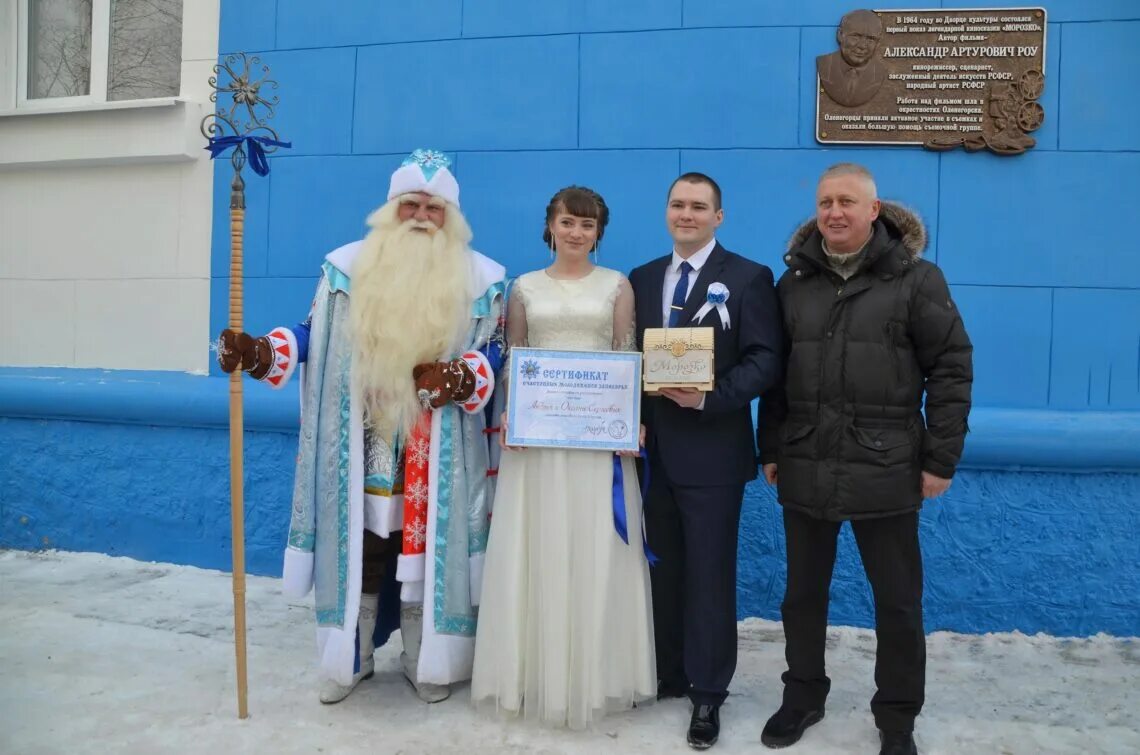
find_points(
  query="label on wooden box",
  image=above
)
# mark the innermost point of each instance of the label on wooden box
(677, 358)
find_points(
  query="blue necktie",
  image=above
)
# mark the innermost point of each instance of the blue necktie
(679, 294)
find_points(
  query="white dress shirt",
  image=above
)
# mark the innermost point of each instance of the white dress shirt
(673, 274)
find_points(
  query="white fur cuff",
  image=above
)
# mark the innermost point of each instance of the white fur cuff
(484, 382)
(410, 568)
(383, 515)
(475, 564)
(285, 357)
(297, 575)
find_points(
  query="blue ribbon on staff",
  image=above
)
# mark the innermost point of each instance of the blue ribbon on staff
(620, 522)
(254, 147)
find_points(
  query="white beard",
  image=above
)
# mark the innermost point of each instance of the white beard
(409, 304)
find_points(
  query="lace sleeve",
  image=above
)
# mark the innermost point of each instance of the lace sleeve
(625, 329)
(516, 318)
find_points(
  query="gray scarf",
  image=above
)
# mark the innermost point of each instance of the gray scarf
(845, 265)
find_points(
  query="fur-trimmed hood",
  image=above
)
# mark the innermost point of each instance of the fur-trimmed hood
(901, 223)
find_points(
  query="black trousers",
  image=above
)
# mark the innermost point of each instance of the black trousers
(893, 563)
(377, 556)
(693, 533)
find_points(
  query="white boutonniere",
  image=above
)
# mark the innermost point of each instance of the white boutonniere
(715, 298)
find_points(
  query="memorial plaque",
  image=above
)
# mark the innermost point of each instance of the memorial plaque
(944, 79)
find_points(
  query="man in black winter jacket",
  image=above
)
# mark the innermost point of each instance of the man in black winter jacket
(869, 329)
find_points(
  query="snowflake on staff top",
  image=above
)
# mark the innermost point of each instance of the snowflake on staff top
(417, 493)
(419, 452)
(245, 87)
(417, 532)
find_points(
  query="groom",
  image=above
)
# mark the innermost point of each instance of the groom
(701, 448)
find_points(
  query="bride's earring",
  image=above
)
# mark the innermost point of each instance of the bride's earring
(595, 251)
(552, 246)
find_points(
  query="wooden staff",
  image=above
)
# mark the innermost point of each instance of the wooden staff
(237, 422)
(242, 126)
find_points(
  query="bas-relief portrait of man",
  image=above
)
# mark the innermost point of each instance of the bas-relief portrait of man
(853, 74)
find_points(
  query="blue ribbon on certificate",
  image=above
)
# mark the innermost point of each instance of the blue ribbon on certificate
(621, 524)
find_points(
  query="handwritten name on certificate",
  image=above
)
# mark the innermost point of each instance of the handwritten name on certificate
(574, 399)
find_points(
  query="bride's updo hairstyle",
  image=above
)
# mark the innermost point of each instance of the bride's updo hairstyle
(580, 202)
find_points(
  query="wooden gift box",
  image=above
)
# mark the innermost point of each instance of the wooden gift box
(677, 358)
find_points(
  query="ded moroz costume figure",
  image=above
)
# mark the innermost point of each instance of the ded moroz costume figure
(394, 472)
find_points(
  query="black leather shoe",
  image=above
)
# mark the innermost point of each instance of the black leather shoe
(786, 726)
(704, 728)
(897, 743)
(671, 689)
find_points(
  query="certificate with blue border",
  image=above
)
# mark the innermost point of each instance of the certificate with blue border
(574, 399)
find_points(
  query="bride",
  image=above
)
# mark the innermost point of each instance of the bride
(565, 627)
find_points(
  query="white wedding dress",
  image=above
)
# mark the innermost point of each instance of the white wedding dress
(565, 626)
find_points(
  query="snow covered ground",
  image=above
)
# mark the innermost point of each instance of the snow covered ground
(110, 655)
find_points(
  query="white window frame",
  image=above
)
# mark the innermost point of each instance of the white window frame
(96, 99)
(9, 38)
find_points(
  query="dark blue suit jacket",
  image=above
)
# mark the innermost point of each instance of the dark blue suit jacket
(716, 445)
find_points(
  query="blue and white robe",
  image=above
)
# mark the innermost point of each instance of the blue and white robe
(338, 493)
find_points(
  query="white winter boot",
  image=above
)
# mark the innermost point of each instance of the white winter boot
(331, 692)
(411, 632)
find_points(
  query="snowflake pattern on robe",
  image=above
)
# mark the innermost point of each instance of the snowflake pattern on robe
(417, 532)
(419, 451)
(417, 494)
(416, 490)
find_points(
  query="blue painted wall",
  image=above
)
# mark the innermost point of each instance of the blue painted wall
(149, 492)
(623, 96)
(530, 96)
(1037, 552)
(137, 464)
